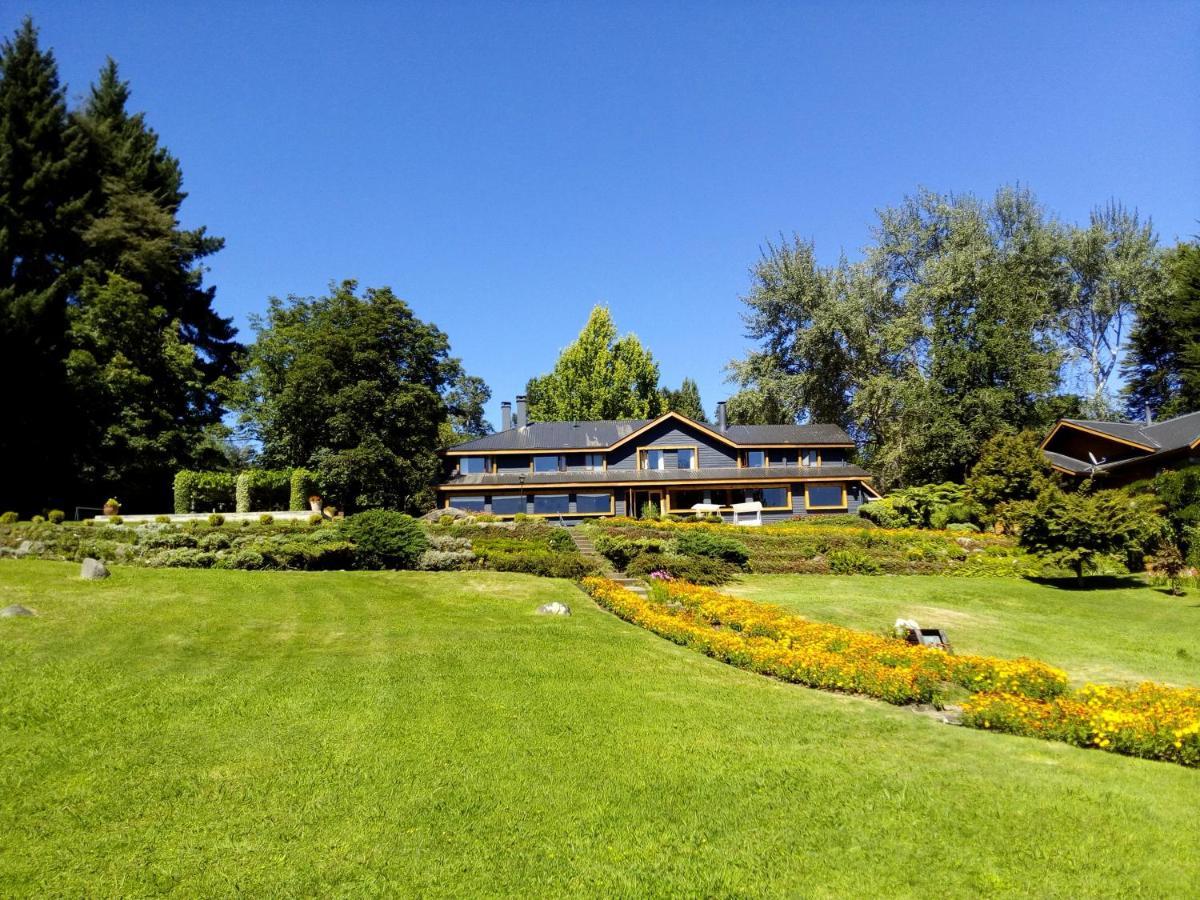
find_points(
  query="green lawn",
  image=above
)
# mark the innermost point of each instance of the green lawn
(1109, 634)
(210, 733)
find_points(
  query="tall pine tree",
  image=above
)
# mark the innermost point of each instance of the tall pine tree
(43, 199)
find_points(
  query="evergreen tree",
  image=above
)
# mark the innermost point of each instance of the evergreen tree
(599, 376)
(685, 401)
(1162, 364)
(43, 195)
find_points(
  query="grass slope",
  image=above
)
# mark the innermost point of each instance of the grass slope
(210, 732)
(1114, 632)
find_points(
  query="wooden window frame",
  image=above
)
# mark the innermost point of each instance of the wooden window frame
(489, 464)
(612, 503)
(744, 458)
(603, 462)
(562, 462)
(845, 504)
(695, 448)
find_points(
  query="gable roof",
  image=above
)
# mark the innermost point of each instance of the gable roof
(1157, 438)
(607, 434)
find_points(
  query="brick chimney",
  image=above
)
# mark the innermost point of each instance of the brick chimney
(522, 411)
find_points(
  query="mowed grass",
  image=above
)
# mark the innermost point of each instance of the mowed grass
(1113, 631)
(209, 733)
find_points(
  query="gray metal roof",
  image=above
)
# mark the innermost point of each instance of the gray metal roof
(1128, 431)
(1070, 463)
(601, 434)
(667, 476)
(1165, 438)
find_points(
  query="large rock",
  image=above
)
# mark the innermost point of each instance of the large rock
(435, 515)
(16, 610)
(554, 609)
(93, 570)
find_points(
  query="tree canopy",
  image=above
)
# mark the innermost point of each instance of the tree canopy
(598, 376)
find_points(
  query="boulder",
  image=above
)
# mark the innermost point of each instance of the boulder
(16, 610)
(93, 570)
(554, 609)
(435, 515)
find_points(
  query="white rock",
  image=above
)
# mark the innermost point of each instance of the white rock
(93, 570)
(554, 609)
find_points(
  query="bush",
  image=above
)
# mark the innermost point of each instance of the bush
(197, 491)
(445, 560)
(163, 520)
(37, 520)
(881, 513)
(714, 546)
(56, 516)
(115, 520)
(852, 562)
(258, 489)
(446, 519)
(241, 559)
(264, 519)
(448, 542)
(650, 511)
(546, 563)
(216, 540)
(216, 520)
(621, 550)
(303, 484)
(316, 519)
(695, 569)
(385, 539)
(8, 518)
(183, 558)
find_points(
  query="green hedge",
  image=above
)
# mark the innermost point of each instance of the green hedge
(303, 486)
(263, 489)
(204, 492)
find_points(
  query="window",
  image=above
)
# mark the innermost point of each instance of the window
(653, 459)
(508, 504)
(549, 504)
(682, 501)
(782, 457)
(473, 465)
(824, 496)
(548, 464)
(686, 458)
(809, 457)
(756, 459)
(593, 503)
(833, 456)
(776, 497)
(470, 504)
(593, 462)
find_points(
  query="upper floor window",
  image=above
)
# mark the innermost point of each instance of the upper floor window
(474, 465)
(654, 459)
(685, 458)
(756, 459)
(548, 464)
(810, 456)
(593, 462)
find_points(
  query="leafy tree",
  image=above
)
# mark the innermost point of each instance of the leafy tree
(757, 406)
(685, 401)
(1113, 267)
(355, 386)
(1010, 467)
(1162, 363)
(1074, 529)
(43, 199)
(598, 376)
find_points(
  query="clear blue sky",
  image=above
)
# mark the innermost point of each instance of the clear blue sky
(506, 166)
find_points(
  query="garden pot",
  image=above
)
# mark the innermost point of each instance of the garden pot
(111, 510)
(314, 504)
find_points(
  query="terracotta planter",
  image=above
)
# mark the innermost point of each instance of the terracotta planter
(110, 510)
(314, 504)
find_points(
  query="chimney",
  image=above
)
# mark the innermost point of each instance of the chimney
(1149, 418)
(505, 416)
(522, 411)
(720, 415)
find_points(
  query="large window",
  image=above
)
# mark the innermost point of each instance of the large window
(593, 462)
(508, 504)
(782, 457)
(810, 457)
(653, 459)
(473, 465)
(470, 504)
(825, 496)
(593, 503)
(756, 459)
(682, 501)
(548, 464)
(686, 458)
(549, 504)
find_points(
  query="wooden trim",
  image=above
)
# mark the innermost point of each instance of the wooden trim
(695, 448)
(1064, 423)
(844, 504)
(562, 461)
(1066, 471)
(672, 415)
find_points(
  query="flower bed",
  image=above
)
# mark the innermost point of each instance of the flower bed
(1150, 721)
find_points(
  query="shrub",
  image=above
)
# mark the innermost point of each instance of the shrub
(445, 560)
(197, 491)
(8, 518)
(214, 541)
(115, 520)
(37, 520)
(216, 520)
(163, 520)
(523, 517)
(183, 558)
(650, 510)
(245, 558)
(621, 550)
(695, 569)
(56, 516)
(487, 517)
(852, 562)
(264, 519)
(882, 513)
(303, 484)
(446, 519)
(714, 546)
(316, 519)
(546, 563)
(448, 542)
(385, 539)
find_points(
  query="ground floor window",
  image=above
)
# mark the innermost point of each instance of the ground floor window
(825, 496)
(593, 503)
(771, 497)
(774, 497)
(549, 504)
(508, 504)
(468, 504)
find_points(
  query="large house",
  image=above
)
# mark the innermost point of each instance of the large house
(569, 471)
(1121, 452)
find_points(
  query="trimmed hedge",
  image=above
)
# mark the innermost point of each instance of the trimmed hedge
(263, 489)
(204, 492)
(303, 485)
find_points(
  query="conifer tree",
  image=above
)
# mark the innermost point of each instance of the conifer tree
(685, 401)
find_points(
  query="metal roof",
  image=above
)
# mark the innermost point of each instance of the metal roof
(599, 435)
(667, 476)
(1160, 439)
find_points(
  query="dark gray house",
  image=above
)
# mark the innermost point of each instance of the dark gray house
(1117, 453)
(573, 470)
